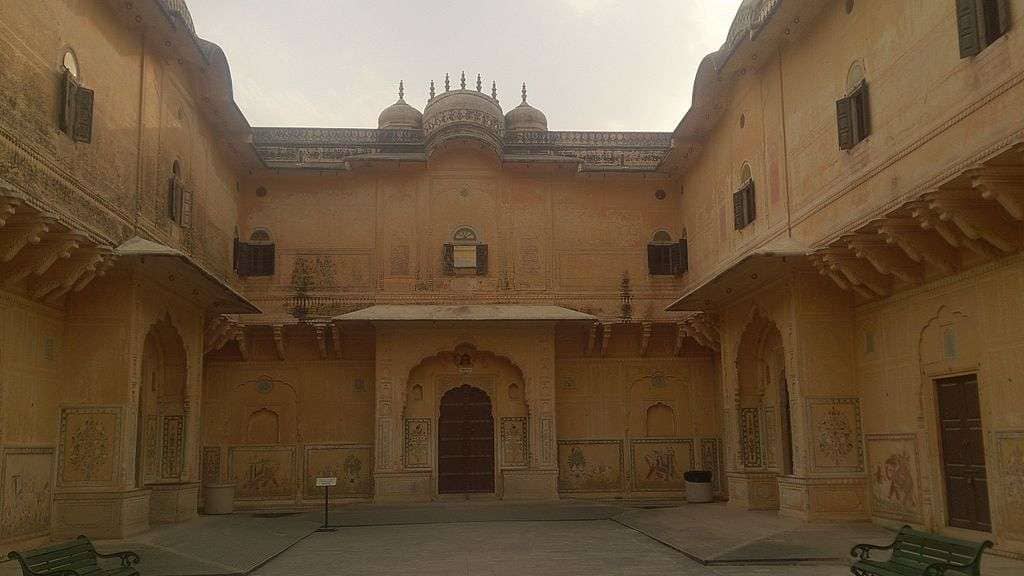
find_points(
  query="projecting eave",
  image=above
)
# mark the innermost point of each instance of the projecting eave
(463, 313)
(758, 268)
(166, 263)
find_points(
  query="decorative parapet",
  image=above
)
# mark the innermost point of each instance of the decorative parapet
(334, 147)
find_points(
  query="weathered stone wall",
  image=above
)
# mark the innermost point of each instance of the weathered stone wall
(632, 424)
(376, 236)
(967, 324)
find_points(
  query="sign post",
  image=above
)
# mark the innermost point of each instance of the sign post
(326, 484)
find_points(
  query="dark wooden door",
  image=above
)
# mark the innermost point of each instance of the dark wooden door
(465, 452)
(963, 453)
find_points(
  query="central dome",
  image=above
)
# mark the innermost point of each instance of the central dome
(467, 116)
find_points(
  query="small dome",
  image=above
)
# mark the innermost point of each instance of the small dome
(400, 114)
(525, 118)
(463, 115)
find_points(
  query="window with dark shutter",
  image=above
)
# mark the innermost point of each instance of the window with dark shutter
(979, 23)
(465, 254)
(853, 117)
(744, 205)
(665, 257)
(67, 111)
(174, 199)
(82, 127)
(749, 203)
(481, 259)
(739, 209)
(186, 207)
(967, 28)
(76, 109)
(683, 258)
(844, 120)
(264, 256)
(448, 259)
(256, 257)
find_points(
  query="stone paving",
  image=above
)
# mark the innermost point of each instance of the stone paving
(502, 538)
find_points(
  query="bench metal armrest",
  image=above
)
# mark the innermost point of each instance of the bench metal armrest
(128, 558)
(863, 551)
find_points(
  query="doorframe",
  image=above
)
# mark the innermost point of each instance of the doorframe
(498, 493)
(936, 517)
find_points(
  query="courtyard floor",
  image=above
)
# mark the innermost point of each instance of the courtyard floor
(499, 538)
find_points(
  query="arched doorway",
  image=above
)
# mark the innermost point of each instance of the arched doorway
(160, 449)
(762, 405)
(465, 442)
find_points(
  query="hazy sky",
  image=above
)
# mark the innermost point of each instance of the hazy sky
(588, 64)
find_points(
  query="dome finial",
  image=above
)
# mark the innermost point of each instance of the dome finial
(431, 89)
(447, 84)
(463, 80)
(494, 89)
(479, 85)
(524, 92)
(401, 90)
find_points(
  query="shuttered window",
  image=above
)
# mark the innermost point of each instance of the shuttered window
(254, 259)
(460, 259)
(179, 202)
(76, 112)
(744, 205)
(667, 259)
(853, 117)
(980, 23)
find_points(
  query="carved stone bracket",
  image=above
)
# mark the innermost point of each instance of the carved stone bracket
(279, 340)
(703, 328)
(336, 339)
(43, 256)
(977, 214)
(645, 336)
(320, 331)
(592, 338)
(239, 336)
(606, 338)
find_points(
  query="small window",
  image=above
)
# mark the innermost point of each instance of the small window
(255, 257)
(744, 201)
(76, 103)
(179, 198)
(666, 257)
(980, 23)
(853, 113)
(465, 254)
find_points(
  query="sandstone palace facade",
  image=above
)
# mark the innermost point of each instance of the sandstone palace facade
(812, 287)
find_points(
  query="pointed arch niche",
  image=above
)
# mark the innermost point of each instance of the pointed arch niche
(160, 450)
(765, 445)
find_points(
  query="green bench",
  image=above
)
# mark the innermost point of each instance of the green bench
(77, 557)
(917, 553)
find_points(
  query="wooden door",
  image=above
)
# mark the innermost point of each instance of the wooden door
(963, 453)
(465, 451)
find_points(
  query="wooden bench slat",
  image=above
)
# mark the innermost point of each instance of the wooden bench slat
(79, 556)
(56, 553)
(913, 552)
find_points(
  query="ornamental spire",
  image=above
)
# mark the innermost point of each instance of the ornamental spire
(401, 90)
(479, 85)
(463, 79)
(494, 89)
(524, 92)
(431, 89)
(447, 84)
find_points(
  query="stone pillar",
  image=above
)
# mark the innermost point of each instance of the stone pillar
(829, 476)
(540, 480)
